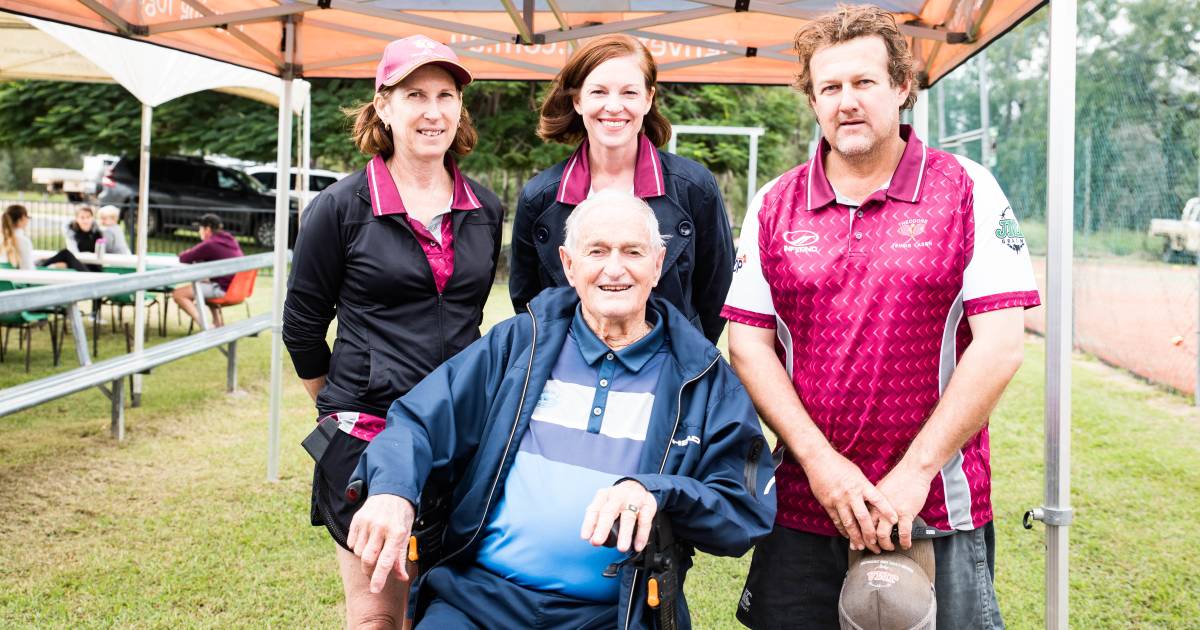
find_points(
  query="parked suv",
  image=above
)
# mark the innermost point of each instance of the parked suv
(183, 188)
(318, 179)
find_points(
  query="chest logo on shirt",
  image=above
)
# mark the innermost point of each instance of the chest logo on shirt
(1009, 231)
(801, 242)
(911, 231)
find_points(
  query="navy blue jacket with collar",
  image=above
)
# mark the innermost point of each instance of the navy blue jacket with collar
(698, 268)
(705, 459)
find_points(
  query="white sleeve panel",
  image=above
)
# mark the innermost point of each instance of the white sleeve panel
(1000, 262)
(750, 292)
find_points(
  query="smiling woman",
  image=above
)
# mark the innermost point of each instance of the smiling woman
(604, 99)
(404, 254)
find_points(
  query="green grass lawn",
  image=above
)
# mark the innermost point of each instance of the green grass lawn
(177, 527)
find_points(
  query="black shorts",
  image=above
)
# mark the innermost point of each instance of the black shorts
(330, 477)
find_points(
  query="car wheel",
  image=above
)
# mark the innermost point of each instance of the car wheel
(264, 233)
(153, 224)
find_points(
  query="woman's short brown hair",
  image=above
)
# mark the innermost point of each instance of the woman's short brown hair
(560, 122)
(852, 22)
(372, 137)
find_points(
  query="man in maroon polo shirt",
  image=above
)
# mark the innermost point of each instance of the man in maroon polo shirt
(215, 244)
(875, 318)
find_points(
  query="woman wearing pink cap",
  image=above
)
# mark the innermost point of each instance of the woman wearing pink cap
(404, 254)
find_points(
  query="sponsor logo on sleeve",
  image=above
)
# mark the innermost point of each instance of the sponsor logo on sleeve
(801, 242)
(739, 262)
(1009, 231)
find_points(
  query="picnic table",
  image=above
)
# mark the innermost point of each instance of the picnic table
(50, 276)
(127, 261)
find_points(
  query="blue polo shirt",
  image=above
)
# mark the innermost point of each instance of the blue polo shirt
(587, 431)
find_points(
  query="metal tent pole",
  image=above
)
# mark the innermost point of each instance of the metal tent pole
(752, 173)
(284, 160)
(1056, 512)
(920, 116)
(985, 112)
(305, 153)
(143, 217)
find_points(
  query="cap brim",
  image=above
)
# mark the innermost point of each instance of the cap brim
(457, 70)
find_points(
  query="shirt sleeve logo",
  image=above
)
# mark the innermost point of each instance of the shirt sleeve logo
(1009, 231)
(739, 262)
(801, 242)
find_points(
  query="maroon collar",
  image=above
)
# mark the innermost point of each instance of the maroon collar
(647, 174)
(906, 180)
(385, 198)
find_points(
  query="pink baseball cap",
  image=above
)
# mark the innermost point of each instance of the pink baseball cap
(403, 56)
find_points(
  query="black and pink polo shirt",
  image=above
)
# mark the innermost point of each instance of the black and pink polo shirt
(437, 240)
(870, 302)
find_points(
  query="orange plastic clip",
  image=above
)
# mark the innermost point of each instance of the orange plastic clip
(412, 549)
(652, 593)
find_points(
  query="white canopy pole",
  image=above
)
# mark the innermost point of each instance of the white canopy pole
(305, 154)
(139, 303)
(1060, 160)
(284, 160)
(920, 116)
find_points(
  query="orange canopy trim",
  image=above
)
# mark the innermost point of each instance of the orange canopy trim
(694, 41)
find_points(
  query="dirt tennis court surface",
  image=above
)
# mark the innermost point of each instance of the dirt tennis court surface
(1138, 315)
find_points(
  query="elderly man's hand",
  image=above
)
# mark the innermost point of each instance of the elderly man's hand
(628, 501)
(379, 536)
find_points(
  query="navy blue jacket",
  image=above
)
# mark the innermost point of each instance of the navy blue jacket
(698, 268)
(705, 459)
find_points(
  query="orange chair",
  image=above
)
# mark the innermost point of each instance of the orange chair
(240, 289)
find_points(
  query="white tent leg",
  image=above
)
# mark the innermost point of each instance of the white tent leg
(305, 153)
(1060, 159)
(143, 213)
(985, 111)
(752, 173)
(279, 281)
(920, 116)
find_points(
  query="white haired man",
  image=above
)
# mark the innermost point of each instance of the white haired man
(600, 405)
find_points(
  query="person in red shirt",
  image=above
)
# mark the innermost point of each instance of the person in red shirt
(215, 244)
(875, 319)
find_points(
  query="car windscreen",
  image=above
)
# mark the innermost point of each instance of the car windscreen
(250, 182)
(266, 178)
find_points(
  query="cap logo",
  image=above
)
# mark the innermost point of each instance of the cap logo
(882, 578)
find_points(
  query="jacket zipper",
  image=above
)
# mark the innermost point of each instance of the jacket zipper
(507, 446)
(663, 465)
(441, 325)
